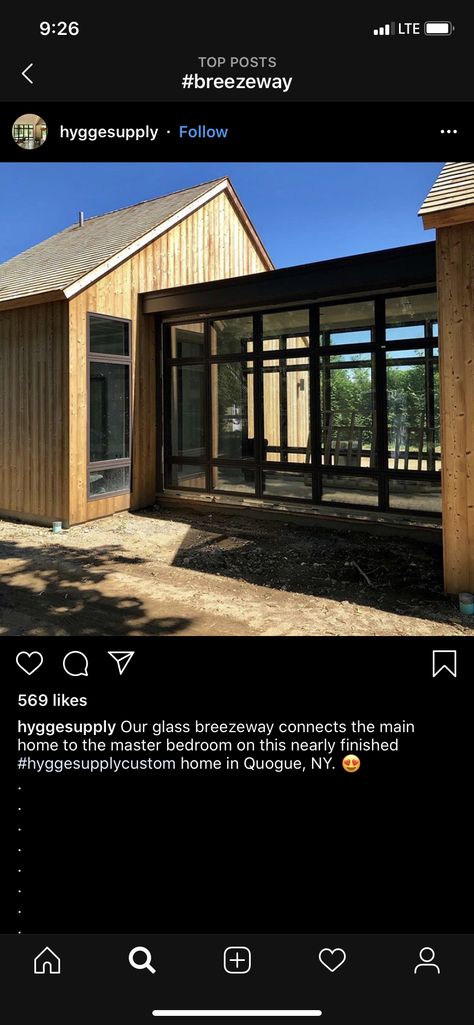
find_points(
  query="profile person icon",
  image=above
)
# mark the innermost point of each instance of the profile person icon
(427, 960)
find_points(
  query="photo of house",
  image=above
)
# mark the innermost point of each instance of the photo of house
(30, 131)
(154, 354)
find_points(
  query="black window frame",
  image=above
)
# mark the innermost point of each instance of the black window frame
(375, 351)
(23, 132)
(116, 360)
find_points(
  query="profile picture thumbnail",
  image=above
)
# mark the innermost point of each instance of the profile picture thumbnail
(30, 131)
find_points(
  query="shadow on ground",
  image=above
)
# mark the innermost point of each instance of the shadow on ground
(394, 574)
(58, 592)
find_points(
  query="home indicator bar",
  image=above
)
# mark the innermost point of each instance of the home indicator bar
(237, 1014)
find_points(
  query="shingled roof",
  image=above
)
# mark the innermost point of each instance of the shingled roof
(62, 262)
(454, 187)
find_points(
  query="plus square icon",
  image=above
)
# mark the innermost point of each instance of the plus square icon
(237, 960)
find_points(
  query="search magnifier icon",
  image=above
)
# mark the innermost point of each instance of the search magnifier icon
(141, 964)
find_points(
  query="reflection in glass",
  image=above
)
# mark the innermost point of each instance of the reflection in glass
(106, 481)
(348, 411)
(211, 389)
(287, 485)
(109, 336)
(232, 410)
(109, 411)
(410, 316)
(413, 410)
(233, 478)
(187, 340)
(187, 410)
(348, 490)
(187, 476)
(232, 335)
(415, 495)
(286, 410)
(286, 330)
(347, 323)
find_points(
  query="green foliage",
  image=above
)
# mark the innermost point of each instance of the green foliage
(351, 392)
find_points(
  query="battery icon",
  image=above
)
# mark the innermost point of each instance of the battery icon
(438, 28)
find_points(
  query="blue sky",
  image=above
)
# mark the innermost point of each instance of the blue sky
(303, 212)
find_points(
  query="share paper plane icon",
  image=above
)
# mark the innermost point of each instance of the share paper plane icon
(122, 659)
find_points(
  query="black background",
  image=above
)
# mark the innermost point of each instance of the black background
(329, 50)
(385, 849)
(377, 863)
(257, 131)
(314, 859)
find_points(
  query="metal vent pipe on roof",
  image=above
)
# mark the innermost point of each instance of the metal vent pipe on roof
(81, 218)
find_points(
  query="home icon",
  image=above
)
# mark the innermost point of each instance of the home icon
(47, 963)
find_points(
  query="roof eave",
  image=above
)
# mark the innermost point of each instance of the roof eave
(462, 214)
(36, 299)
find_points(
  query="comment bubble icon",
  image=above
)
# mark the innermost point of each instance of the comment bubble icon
(75, 663)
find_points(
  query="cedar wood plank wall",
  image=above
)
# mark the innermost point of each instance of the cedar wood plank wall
(455, 256)
(297, 420)
(209, 244)
(34, 412)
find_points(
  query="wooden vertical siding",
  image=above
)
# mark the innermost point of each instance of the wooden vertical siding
(297, 408)
(209, 244)
(34, 412)
(455, 254)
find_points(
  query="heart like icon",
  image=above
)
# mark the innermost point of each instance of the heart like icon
(29, 661)
(332, 959)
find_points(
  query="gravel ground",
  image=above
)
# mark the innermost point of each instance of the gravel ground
(158, 572)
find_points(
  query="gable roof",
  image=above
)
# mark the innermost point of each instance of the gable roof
(77, 256)
(453, 188)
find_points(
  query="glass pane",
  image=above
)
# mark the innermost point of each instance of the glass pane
(286, 410)
(109, 336)
(103, 482)
(232, 478)
(347, 414)
(109, 411)
(231, 336)
(287, 485)
(187, 340)
(413, 410)
(232, 410)
(409, 316)
(348, 359)
(346, 323)
(186, 476)
(288, 330)
(415, 495)
(188, 396)
(353, 490)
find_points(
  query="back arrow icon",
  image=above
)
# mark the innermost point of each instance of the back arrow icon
(30, 80)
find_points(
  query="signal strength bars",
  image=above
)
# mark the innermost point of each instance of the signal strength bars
(385, 30)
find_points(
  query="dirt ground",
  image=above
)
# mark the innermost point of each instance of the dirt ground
(163, 573)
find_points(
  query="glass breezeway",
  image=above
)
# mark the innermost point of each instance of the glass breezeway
(335, 403)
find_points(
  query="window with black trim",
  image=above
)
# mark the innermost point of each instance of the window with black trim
(109, 380)
(22, 133)
(334, 403)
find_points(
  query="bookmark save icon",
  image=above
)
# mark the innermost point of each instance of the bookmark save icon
(122, 658)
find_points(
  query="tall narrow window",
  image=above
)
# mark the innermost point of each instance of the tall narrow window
(109, 406)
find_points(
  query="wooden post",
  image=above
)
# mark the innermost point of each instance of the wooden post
(455, 259)
(449, 207)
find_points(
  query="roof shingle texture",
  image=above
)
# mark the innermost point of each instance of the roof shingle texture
(61, 260)
(453, 187)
